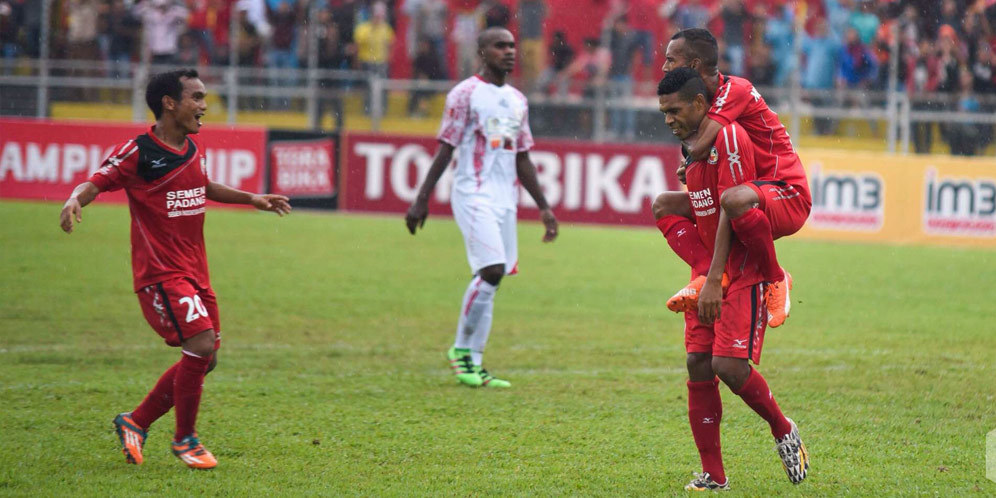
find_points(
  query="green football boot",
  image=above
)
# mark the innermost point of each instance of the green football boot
(463, 367)
(488, 380)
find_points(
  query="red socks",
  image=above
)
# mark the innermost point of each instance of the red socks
(756, 394)
(685, 242)
(705, 411)
(157, 402)
(754, 231)
(187, 385)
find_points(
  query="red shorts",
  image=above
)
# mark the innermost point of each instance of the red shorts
(179, 309)
(739, 332)
(786, 206)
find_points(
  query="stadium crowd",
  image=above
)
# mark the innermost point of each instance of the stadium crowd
(947, 48)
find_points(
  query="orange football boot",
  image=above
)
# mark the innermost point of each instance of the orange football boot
(193, 453)
(131, 437)
(779, 302)
(686, 300)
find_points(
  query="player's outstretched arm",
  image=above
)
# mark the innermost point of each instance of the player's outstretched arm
(708, 131)
(264, 202)
(711, 295)
(72, 210)
(526, 172)
(419, 210)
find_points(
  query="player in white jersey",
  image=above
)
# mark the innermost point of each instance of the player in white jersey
(486, 122)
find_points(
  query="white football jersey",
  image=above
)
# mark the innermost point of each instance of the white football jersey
(487, 125)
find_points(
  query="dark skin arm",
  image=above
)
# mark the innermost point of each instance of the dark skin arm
(705, 138)
(419, 210)
(711, 295)
(264, 202)
(526, 172)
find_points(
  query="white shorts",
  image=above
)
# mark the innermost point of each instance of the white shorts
(489, 235)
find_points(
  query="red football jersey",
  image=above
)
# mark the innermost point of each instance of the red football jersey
(776, 159)
(167, 193)
(731, 162)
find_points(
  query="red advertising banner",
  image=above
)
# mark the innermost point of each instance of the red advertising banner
(582, 181)
(42, 159)
(304, 168)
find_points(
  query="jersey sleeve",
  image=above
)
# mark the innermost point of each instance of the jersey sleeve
(731, 100)
(735, 158)
(524, 141)
(112, 173)
(456, 116)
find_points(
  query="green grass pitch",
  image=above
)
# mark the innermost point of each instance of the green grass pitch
(332, 377)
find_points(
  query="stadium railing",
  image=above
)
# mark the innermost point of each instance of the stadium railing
(31, 86)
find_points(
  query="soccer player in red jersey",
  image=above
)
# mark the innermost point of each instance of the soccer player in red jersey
(727, 332)
(164, 174)
(775, 205)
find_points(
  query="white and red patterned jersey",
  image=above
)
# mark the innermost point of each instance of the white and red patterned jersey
(731, 162)
(167, 193)
(737, 100)
(487, 125)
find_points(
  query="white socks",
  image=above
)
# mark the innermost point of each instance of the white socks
(475, 318)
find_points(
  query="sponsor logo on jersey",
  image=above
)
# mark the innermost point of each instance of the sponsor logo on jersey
(959, 206)
(845, 200)
(157, 163)
(186, 202)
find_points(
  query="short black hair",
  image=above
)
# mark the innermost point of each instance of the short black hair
(484, 37)
(684, 81)
(701, 45)
(163, 84)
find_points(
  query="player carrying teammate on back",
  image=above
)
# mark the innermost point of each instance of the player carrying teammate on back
(164, 174)
(774, 205)
(724, 334)
(487, 122)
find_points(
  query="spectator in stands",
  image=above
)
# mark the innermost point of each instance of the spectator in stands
(203, 14)
(780, 35)
(734, 16)
(951, 58)
(344, 16)
(921, 80)
(466, 26)
(10, 22)
(838, 16)
(822, 51)
(858, 67)
(963, 137)
(284, 17)
(865, 21)
(122, 38)
(188, 53)
(761, 70)
(427, 67)
(374, 39)
(250, 41)
(163, 20)
(950, 16)
(82, 32)
(427, 22)
(591, 66)
(331, 55)
(686, 14)
(531, 15)
(622, 45)
(495, 14)
(561, 56)
(643, 16)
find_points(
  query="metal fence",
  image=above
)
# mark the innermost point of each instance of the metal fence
(30, 88)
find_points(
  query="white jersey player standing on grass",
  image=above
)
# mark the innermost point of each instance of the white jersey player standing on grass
(487, 122)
